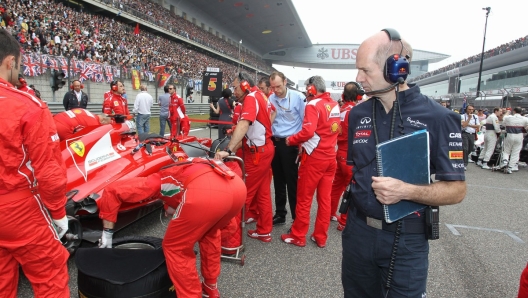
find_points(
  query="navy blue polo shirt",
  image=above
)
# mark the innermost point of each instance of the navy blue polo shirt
(418, 112)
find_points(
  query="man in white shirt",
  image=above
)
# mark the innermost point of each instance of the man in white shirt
(515, 126)
(142, 107)
(470, 124)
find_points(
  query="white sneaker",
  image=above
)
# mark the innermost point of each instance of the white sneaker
(522, 164)
(470, 160)
(509, 171)
(504, 163)
(486, 167)
(479, 163)
(333, 218)
(515, 168)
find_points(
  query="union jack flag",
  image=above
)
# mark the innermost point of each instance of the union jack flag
(109, 73)
(75, 67)
(54, 64)
(98, 73)
(31, 68)
(43, 61)
(63, 65)
(86, 71)
(117, 72)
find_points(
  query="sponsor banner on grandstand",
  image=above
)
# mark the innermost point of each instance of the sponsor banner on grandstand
(333, 85)
(135, 79)
(212, 84)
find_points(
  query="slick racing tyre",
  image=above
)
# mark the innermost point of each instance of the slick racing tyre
(135, 267)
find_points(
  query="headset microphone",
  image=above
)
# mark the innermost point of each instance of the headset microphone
(400, 81)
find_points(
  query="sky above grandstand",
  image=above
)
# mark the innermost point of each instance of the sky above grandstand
(452, 27)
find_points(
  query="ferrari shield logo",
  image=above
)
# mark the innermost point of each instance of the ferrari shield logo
(78, 148)
(328, 108)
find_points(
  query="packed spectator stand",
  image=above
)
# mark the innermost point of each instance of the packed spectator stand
(507, 47)
(52, 32)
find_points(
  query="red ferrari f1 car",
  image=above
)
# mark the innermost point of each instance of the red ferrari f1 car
(100, 156)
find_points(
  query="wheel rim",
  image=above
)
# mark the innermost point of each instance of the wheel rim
(134, 245)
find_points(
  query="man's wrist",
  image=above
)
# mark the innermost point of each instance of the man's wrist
(228, 151)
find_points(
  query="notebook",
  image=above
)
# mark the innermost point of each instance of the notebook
(405, 158)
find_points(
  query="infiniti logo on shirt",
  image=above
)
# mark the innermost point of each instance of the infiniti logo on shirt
(365, 120)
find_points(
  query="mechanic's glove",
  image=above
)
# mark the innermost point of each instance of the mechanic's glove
(61, 226)
(106, 239)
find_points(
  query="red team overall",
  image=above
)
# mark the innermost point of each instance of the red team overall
(318, 138)
(254, 129)
(116, 103)
(30, 152)
(351, 94)
(177, 113)
(202, 201)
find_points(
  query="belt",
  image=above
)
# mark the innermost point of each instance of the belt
(469, 133)
(277, 139)
(17, 195)
(407, 227)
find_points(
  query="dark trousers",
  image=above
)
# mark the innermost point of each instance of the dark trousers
(366, 257)
(468, 144)
(285, 172)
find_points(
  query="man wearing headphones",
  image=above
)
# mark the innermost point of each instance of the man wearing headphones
(382, 259)
(264, 86)
(75, 98)
(71, 122)
(253, 133)
(288, 117)
(318, 137)
(352, 93)
(116, 104)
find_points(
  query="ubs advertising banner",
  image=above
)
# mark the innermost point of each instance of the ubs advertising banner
(329, 55)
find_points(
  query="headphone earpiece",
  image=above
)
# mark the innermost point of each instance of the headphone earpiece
(113, 85)
(396, 67)
(244, 85)
(359, 91)
(82, 85)
(310, 88)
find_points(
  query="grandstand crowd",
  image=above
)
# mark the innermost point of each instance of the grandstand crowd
(52, 28)
(507, 47)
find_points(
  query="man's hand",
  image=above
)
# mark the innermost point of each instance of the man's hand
(287, 141)
(221, 155)
(106, 239)
(389, 190)
(62, 226)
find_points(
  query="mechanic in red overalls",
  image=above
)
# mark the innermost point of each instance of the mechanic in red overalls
(72, 121)
(203, 196)
(177, 113)
(318, 137)
(116, 104)
(253, 133)
(352, 92)
(29, 152)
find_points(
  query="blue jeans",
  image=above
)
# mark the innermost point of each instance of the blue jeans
(164, 119)
(143, 123)
(366, 257)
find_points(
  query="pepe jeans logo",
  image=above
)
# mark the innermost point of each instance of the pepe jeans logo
(416, 123)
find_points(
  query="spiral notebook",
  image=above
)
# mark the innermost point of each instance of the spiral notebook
(405, 158)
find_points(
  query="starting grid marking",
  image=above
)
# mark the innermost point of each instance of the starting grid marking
(455, 232)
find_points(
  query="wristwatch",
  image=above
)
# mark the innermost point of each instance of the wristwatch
(228, 151)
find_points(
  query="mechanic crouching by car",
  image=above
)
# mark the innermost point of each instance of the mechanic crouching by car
(71, 122)
(202, 196)
(30, 152)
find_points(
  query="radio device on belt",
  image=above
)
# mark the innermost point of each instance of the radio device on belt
(432, 222)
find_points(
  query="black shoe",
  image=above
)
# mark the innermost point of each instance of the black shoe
(279, 220)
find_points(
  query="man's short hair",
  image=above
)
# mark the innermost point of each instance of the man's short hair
(318, 82)
(265, 80)
(350, 92)
(10, 46)
(166, 89)
(244, 76)
(277, 74)
(517, 110)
